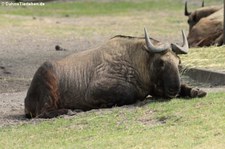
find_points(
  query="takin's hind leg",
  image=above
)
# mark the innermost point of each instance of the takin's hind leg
(58, 112)
(53, 113)
(186, 91)
(43, 94)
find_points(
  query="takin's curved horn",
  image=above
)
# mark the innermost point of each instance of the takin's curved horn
(178, 49)
(203, 3)
(186, 13)
(151, 47)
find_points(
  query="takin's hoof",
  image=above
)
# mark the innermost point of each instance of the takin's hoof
(195, 92)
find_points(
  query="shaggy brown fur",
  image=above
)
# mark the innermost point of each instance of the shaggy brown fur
(121, 71)
(44, 90)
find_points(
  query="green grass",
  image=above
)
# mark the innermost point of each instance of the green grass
(208, 57)
(90, 8)
(177, 123)
(93, 8)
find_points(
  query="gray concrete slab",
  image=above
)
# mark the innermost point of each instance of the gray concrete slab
(206, 76)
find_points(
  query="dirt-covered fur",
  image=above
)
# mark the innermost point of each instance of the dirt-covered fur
(119, 72)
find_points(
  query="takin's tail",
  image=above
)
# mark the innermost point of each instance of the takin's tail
(43, 94)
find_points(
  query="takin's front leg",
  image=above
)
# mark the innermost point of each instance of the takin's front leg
(186, 91)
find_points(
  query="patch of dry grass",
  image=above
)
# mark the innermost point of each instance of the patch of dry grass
(209, 57)
(161, 25)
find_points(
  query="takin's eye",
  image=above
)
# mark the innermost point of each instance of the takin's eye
(189, 21)
(194, 18)
(159, 64)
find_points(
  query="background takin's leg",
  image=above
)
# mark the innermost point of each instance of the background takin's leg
(219, 40)
(186, 91)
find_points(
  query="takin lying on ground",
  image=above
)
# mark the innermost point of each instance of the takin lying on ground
(121, 71)
(205, 26)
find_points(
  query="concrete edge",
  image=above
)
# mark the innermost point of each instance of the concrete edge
(206, 76)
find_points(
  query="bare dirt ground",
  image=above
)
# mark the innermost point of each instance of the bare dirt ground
(25, 47)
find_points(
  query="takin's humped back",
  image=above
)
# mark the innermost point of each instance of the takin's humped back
(121, 71)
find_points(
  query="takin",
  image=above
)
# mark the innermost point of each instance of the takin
(205, 26)
(120, 72)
